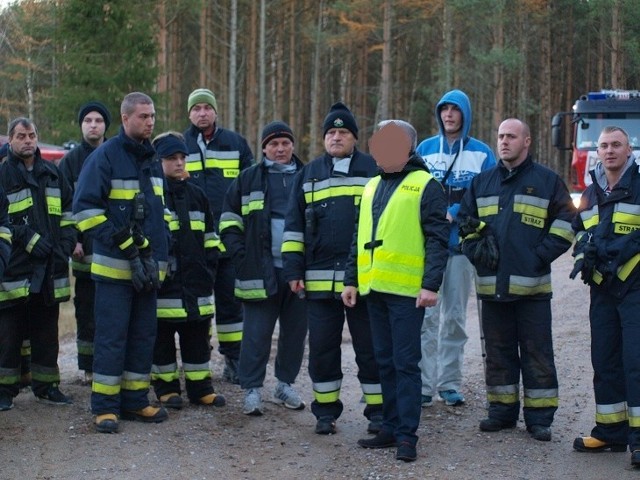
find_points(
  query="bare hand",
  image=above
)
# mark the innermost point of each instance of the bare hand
(296, 285)
(349, 296)
(426, 298)
(78, 252)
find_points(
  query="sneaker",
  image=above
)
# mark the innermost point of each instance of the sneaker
(451, 398)
(107, 423)
(6, 402)
(211, 400)
(427, 401)
(253, 402)
(495, 425)
(171, 400)
(540, 432)
(230, 372)
(326, 425)
(381, 440)
(406, 452)
(375, 423)
(591, 444)
(53, 396)
(147, 414)
(287, 396)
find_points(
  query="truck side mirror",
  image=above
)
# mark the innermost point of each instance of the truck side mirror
(558, 131)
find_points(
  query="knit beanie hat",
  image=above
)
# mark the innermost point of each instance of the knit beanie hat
(168, 145)
(95, 107)
(340, 116)
(276, 129)
(202, 95)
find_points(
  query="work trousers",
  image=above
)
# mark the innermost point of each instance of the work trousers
(443, 333)
(193, 337)
(228, 310)
(126, 327)
(518, 340)
(40, 324)
(326, 321)
(615, 356)
(395, 325)
(83, 301)
(259, 323)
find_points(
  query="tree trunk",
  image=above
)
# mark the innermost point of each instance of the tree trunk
(233, 77)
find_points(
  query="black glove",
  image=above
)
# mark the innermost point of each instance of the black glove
(138, 275)
(468, 225)
(586, 254)
(150, 269)
(486, 252)
(39, 247)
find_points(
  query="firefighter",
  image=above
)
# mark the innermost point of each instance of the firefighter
(316, 242)
(185, 301)
(607, 254)
(94, 119)
(119, 202)
(515, 220)
(36, 278)
(216, 157)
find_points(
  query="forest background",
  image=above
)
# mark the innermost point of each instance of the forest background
(292, 59)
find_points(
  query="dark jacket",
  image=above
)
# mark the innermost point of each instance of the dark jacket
(187, 292)
(320, 222)
(70, 167)
(611, 222)
(39, 203)
(529, 211)
(105, 200)
(245, 230)
(228, 154)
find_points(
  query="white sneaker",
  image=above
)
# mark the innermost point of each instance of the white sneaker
(253, 402)
(287, 396)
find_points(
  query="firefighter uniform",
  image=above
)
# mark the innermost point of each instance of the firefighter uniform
(529, 211)
(319, 227)
(611, 223)
(185, 301)
(121, 189)
(33, 285)
(212, 166)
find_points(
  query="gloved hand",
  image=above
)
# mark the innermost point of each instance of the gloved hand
(39, 247)
(150, 269)
(486, 252)
(468, 225)
(585, 253)
(138, 275)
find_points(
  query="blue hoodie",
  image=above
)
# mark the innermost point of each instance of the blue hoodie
(470, 155)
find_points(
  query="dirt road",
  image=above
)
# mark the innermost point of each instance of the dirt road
(44, 442)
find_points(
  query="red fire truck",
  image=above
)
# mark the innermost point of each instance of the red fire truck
(591, 113)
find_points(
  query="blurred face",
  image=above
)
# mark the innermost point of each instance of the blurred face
(279, 150)
(613, 150)
(513, 143)
(339, 142)
(139, 125)
(203, 116)
(24, 142)
(173, 165)
(93, 128)
(451, 117)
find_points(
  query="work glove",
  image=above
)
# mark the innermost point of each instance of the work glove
(585, 254)
(150, 268)
(468, 225)
(39, 247)
(139, 276)
(486, 252)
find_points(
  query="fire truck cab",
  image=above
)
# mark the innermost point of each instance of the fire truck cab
(591, 113)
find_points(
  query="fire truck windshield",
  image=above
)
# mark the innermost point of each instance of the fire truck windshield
(590, 125)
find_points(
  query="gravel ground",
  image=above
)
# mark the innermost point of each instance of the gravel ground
(46, 442)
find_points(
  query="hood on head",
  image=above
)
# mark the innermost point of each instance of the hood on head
(460, 99)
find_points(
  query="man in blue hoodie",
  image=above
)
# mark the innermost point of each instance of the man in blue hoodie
(454, 159)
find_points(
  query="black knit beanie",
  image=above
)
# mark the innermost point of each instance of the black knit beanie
(95, 107)
(276, 129)
(340, 116)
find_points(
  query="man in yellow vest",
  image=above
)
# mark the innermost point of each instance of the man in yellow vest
(397, 259)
